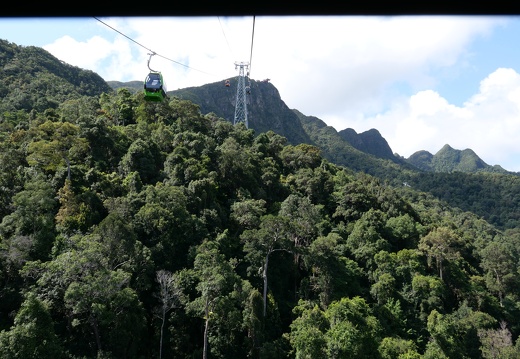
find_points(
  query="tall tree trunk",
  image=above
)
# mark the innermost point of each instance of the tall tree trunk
(162, 331)
(500, 295)
(95, 328)
(68, 167)
(264, 276)
(206, 331)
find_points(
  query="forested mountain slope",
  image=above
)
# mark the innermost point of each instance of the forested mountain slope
(132, 86)
(136, 230)
(369, 141)
(336, 149)
(31, 78)
(448, 160)
(451, 174)
(267, 111)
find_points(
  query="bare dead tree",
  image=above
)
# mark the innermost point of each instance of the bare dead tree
(170, 296)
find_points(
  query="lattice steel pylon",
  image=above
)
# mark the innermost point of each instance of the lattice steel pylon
(241, 103)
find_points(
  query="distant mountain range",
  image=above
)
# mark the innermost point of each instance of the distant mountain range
(448, 159)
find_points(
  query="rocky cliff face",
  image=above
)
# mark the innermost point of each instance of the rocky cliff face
(265, 108)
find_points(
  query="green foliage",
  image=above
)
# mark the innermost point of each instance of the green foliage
(28, 231)
(490, 195)
(32, 335)
(45, 80)
(456, 334)
(268, 249)
(440, 245)
(354, 331)
(307, 332)
(392, 347)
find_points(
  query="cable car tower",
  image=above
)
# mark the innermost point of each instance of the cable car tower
(241, 104)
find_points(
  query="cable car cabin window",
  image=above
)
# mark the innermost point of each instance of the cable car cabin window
(153, 82)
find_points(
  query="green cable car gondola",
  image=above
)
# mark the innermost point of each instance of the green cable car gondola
(154, 86)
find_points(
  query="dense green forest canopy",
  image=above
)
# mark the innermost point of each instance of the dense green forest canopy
(132, 229)
(31, 78)
(451, 175)
(135, 230)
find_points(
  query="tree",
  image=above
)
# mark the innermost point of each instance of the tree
(304, 218)
(301, 156)
(191, 157)
(56, 143)
(365, 240)
(164, 225)
(441, 245)
(80, 209)
(403, 231)
(32, 335)
(253, 306)
(457, 333)
(236, 165)
(354, 330)
(427, 293)
(125, 105)
(314, 183)
(216, 279)
(355, 197)
(497, 343)
(307, 336)
(394, 347)
(260, 244)
(170, 296)
(143, 157)
(331, 274)
(384, 287)
(247, 213)
(394, 272)
(104, 302)
(93, 296)
(28, 231)
(12, 162)
(499, 262)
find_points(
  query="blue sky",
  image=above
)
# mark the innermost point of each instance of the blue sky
(421, 81)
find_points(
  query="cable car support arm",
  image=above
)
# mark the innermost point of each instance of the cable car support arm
(151, 54)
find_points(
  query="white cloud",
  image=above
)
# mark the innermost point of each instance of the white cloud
(351, 58)
(489, 123)
(354, 64)
(89, 54)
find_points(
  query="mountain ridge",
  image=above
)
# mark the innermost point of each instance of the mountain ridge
(448, 159)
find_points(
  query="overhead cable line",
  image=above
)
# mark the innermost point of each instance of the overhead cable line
(151, 51)
(252, 38)
(225, 37)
